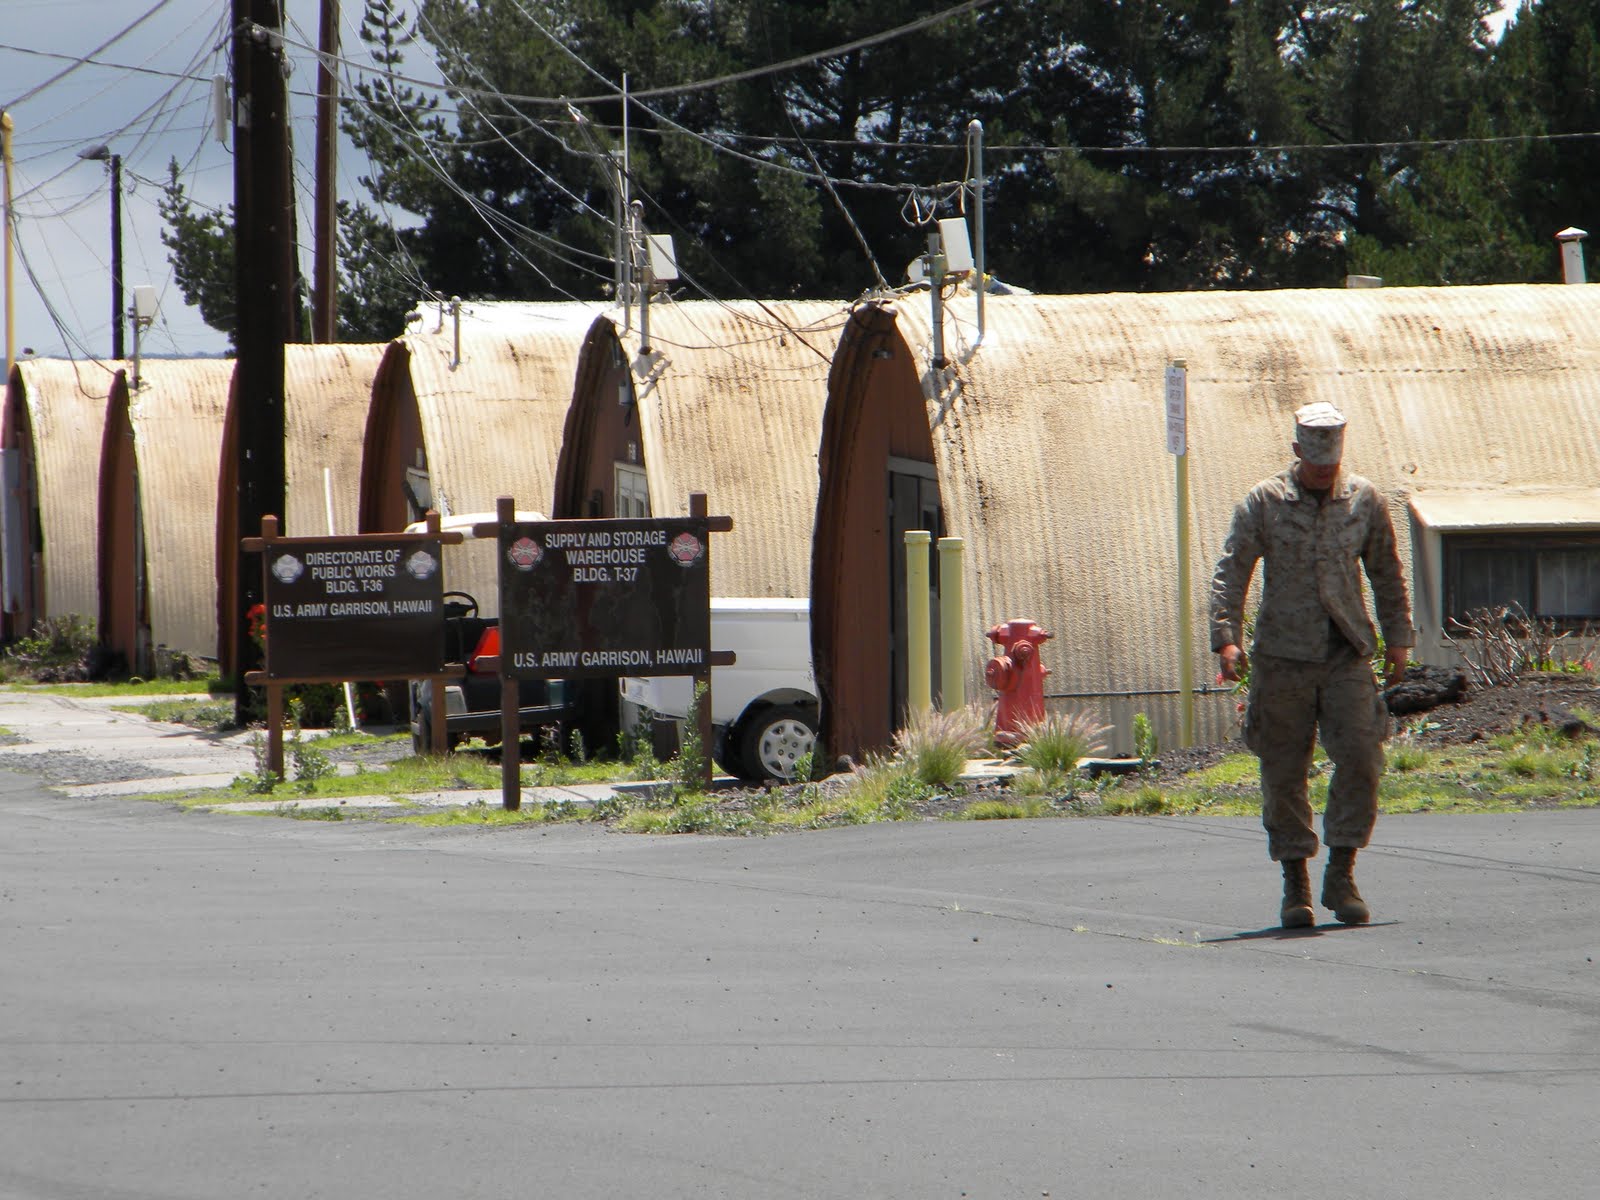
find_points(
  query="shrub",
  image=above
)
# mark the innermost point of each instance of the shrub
(58, 651)
(936, 745)
(1055, 745)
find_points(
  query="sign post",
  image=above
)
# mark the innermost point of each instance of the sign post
(587, 599)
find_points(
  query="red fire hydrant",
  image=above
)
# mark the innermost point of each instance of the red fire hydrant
(1018, 676)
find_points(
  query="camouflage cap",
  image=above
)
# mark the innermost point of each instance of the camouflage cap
(1319, 428)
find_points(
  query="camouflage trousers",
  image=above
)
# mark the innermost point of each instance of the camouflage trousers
(1290, 703)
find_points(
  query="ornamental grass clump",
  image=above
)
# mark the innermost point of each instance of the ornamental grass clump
(1052, 748)
(935, 746)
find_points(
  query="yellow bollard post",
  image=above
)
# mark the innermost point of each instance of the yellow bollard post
(919, 642)
(952, 626)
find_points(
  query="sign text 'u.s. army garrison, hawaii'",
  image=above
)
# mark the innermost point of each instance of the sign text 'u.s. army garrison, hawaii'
(354, 608)
(605, 597)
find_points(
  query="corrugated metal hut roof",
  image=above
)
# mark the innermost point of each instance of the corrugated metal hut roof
(492, 422)
(177, 416)
(731, 404)
(66, 406)
(1051, 437)
(327, 391)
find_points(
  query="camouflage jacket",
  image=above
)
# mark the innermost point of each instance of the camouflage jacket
(1310, 577)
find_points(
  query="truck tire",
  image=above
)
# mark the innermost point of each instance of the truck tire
(422, 732)
(774, 740)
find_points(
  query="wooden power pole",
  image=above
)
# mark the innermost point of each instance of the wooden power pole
(325, 277)
(265, 302)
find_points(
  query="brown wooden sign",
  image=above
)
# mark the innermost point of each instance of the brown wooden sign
(596, 598)
(369, 606)
(366, 607)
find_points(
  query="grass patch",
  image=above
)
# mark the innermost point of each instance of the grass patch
(134, 687)
(1236, 770)
(1008, 810)
(478, 813)
(209, 715)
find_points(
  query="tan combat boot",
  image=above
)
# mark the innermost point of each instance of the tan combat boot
(1339, 887)
(1297, 912)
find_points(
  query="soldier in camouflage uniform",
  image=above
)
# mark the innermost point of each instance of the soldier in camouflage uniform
(1309, 668)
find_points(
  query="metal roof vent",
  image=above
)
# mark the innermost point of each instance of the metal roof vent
(1363, 281)
(1571, 239)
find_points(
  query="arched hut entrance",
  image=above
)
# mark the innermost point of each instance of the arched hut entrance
(124, 585)
(878, 480)
(727, 399)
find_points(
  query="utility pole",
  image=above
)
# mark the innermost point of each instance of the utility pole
(102, 153)
(265, 302)
(325, 281)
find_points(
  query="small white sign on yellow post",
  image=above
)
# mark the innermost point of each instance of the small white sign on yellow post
(1177, 404)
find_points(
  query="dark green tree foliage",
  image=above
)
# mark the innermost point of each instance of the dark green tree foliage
(200, 244)
(1547, 81)
(1130, 144)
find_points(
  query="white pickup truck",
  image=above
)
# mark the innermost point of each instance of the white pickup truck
(764, 707)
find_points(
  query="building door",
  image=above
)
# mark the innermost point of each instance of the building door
(913, 504)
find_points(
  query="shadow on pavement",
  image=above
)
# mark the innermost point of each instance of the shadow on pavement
(1278, 934)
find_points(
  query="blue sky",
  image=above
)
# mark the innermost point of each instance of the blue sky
(144, 108)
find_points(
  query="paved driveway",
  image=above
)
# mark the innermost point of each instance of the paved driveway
(208, 1006)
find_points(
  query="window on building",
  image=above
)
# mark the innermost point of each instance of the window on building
(1550, 577)
(633, 492)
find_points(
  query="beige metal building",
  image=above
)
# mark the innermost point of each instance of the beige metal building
(54, 419)
(462, 417)
(1045, 448)
(327, 393)
(176, 419)
(727, 400)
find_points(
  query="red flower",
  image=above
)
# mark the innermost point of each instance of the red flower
(256, 615)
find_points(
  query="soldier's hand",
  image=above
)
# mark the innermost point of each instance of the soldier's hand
(1234, 663)
(1394, 664)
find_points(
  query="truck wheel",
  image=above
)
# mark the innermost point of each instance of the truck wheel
(774, 741)
(422, 732)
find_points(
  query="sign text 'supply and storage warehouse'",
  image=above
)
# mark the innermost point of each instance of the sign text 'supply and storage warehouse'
(584, 599)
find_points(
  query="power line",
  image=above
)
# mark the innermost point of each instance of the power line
(111, 41)
(684, 88)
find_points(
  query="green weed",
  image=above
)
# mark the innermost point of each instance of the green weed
(1056, 745)
(935, 746)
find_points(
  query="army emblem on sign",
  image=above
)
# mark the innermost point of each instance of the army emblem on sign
(422, 565)
(524, 554)
(287, 568)
(686, 549)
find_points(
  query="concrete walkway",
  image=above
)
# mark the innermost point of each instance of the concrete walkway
(119, 754)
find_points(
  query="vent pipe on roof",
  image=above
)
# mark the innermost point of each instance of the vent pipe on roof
(1363, 281)
(455, 311)
(975, 141)
(641, 259)
(936, 272)
(1571, 239)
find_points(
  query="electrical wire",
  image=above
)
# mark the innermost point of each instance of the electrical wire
(681, 89)
(84, 59)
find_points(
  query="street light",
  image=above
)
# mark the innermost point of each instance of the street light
(102, 153)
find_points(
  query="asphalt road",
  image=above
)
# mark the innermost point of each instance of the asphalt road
(221, 1006)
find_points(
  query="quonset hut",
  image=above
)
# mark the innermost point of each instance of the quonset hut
(726, 399)
(54, 418)
(1474, 408)
(158, 504)
(460, 417)
(327, 392)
